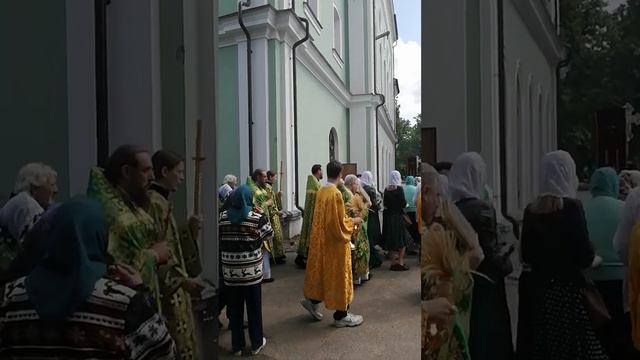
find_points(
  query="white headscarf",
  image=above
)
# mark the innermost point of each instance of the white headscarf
(20, 214)
(367, 178)
(558, 176)
(467, 177)
(395, 179)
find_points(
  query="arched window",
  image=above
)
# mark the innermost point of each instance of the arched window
(313, 5)
(337, 32)
(333, 144)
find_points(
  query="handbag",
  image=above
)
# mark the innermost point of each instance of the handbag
(596, 307)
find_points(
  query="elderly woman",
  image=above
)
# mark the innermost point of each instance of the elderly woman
(75, 308)
(395, 235)
(374, 233)
(38, 180)
(556, 246)
(34, 192)
(359, 207)
(490, 320)
(450, 250)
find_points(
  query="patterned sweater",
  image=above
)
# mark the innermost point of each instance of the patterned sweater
(241, 248)
(114, 323)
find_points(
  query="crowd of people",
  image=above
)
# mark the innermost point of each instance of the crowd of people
(342, 239)
(112, 273)
(578, 288)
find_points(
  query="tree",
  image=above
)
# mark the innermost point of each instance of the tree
(603, 73)
(409, 142)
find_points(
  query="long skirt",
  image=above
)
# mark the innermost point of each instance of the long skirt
(527, 300)
(563, 329)
(375, 238)
(490, 335)
(394, 232)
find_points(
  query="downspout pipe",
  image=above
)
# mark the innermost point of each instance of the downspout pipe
(502, 111)
(375, 92)
(295, 109)
(102, 90)
(384, 100)
(249, 83)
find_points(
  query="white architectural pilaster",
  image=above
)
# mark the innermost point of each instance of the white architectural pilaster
(243, 112)
(445, 99)
(134, 73)
(490, 95)
(260, 91)
(81, 93)
(287, 131)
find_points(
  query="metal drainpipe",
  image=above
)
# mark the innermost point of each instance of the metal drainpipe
(295, 108)
(375, 92)
(102, 90)
(502, 111)
(249, 88)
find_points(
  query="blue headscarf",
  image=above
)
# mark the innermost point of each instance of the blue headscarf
(75, 255)
(604, 182)
(241, 205)
(410, 180)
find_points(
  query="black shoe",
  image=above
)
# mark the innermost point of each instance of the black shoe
(301, 262)
(398, 267)
(266, 281)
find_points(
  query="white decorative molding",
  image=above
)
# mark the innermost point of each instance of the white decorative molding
(312, 17)
(542, 29)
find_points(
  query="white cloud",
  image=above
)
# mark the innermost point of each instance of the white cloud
(408, 72)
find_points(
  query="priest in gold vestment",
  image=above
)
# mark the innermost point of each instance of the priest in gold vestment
(328, 277)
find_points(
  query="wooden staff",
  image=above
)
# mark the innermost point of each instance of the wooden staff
(281, 175)
(198, 159)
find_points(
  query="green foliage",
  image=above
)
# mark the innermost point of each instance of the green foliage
(409, 140)
(604, 70)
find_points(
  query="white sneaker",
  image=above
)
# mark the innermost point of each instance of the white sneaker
(350, 320)
(238, 353)
(257, 351)
(311, 308)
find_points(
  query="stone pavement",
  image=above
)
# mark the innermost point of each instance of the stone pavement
(390, 304)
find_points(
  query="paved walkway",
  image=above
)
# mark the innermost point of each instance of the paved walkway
(390, 304)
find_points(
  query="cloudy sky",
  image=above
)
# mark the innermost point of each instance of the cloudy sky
(613, 4)
(407, 57)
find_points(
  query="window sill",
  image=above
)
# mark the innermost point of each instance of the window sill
(338, 58)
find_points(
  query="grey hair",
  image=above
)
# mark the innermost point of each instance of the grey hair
(34, 175)
(230, 179)
(350, 179)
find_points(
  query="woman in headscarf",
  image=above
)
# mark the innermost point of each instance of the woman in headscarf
(629, 180)
(490, 336)
(410, 190)
(556, 246)
(61, 306)
(243, 231)
(373, 224)
(359, 207)
(394, 232)
(603, 213)
(450, 250)
(627, 244)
